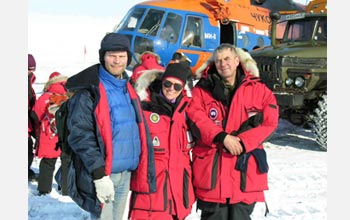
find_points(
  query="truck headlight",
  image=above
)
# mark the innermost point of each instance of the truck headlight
(289, 81)
(299, 82)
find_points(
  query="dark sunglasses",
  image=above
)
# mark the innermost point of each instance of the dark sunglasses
(168, 84)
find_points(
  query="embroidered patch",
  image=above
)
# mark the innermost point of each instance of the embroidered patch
(154, 117)
(156, 141)
(213, 114)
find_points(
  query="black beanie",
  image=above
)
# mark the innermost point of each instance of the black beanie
(115, 42)
(176, 70)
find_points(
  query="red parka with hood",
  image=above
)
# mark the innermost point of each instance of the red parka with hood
(217, 175)
(47, 136)
(172, 144)
(148, 61)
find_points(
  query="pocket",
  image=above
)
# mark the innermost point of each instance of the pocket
(205, 167)
(153, 201)
(253, 178)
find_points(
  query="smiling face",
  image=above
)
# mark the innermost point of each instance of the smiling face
(172, 87)
(226, 62)
(116, 62)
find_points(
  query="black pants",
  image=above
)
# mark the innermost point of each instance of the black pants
(65, 159)
(30, 156)
(46, 170)
(216, 211)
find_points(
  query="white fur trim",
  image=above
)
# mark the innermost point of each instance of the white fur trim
(143, 82)
(246, 60)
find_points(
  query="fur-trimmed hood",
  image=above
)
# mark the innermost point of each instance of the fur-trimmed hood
(246, 61)
(152, 77)
(53, 80)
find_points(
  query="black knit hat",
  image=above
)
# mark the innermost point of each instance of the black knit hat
(176, 70)
(114, 42)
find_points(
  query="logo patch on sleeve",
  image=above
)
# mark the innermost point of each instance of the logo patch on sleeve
(213, 114)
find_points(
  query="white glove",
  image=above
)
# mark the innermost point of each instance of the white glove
(104, 189)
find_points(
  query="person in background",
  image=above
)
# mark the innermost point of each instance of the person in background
(110, 140)
(32, 124)
(164, 107)
(47, 136)
(231, 114)
(148, 61)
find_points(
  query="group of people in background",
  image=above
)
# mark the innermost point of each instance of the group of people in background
(42, 133)
(168, 142)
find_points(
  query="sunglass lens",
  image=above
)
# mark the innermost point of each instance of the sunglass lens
(177, 86)
(167, 84)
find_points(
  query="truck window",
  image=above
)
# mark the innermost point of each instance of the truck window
(300, 30)
(321, 31)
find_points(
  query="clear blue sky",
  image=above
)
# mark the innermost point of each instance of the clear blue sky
(99, 8)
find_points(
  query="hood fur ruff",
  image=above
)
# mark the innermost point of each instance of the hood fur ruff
(245, 59)
(145, 80)
(56, 79)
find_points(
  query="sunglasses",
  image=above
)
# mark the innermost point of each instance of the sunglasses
(177, 86)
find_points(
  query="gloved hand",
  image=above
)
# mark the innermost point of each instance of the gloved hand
(104, 189)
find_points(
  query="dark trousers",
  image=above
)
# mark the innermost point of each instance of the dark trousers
(46, 170)
(65, 159)
(215, 211)
(30, 156)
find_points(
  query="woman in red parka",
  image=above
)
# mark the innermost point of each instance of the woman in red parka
(47, 135)
(164, 105)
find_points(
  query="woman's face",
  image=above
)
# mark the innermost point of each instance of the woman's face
(172, 87)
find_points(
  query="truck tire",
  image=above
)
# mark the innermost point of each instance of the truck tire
(319, 120)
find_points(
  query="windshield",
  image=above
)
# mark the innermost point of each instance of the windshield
(151, 23)
(306, 30)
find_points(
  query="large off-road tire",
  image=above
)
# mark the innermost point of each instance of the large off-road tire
(319, 120)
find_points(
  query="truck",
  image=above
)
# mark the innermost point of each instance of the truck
(294, 66)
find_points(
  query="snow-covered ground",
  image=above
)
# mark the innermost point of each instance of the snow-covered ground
(297, 183)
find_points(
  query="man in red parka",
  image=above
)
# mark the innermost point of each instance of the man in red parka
(233, 113)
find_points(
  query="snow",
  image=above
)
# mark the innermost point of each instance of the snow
(297, 183)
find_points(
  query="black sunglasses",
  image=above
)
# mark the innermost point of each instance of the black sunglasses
(168, 84)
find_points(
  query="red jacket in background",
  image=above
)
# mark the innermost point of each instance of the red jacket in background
(149, 61)
(47, 136)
